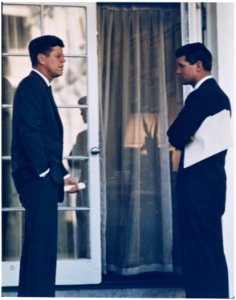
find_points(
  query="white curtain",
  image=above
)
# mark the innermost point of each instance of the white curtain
(139, 97)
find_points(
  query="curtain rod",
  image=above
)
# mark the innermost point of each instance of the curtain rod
(143, 7)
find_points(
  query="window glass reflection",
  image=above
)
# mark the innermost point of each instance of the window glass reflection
(73, 235)
(20, 24)
(58, 20)
(9, 194)
(8, 91)
(13, 223)
(14, 69)
(6, 131)
(75, 132)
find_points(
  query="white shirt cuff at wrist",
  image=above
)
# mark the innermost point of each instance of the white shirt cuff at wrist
(44, 173)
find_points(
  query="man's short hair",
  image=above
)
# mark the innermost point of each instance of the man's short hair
(194, 52)
(43, 44)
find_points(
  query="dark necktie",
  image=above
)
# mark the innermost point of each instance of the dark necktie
(50, 92)
(54, 104)
(52, 98)
(50, 89)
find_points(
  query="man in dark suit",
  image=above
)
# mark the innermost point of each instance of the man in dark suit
(201, 181)
(37, 169)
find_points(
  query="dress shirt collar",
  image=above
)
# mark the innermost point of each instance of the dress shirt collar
(201, 81)
(44, 78)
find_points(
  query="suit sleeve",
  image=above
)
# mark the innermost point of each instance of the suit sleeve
(29, 107)
(187, 122)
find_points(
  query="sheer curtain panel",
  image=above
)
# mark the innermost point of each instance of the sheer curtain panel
(138, 96)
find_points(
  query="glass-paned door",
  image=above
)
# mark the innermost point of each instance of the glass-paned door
(76, 95)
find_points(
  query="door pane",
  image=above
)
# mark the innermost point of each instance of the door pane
(12, 224)
(6, 129)
(78, 143)
(75, 132)
(20, 25)
(73, 18)
(9, 194)
(73, 235)
(14, 69)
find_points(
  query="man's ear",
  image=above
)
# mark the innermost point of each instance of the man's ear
(199, 65)
(41, 58)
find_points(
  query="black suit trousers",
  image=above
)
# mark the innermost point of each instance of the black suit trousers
(38, 261)
(204, 264)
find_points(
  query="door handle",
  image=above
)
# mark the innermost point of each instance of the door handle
(95, 150)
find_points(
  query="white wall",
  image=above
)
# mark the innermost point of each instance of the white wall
(226, 79)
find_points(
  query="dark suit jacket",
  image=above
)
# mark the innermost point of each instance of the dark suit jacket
(205, 180)
(37, 137)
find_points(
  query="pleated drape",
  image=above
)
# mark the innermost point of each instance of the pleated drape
(138, 95)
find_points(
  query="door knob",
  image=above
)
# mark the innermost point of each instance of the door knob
(95, 150)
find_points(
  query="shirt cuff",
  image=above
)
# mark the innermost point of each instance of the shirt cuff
(66, 176)
(44, 173)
